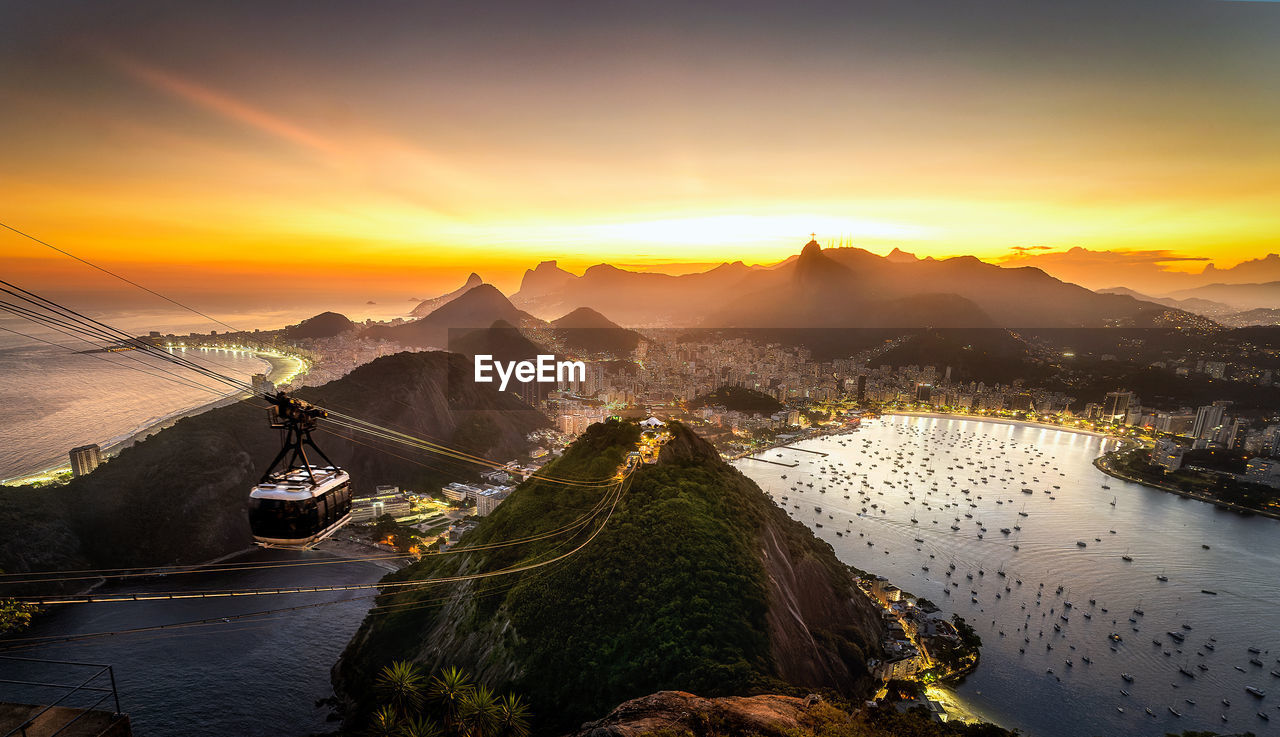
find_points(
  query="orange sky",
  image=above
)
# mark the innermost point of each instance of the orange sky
(213, 153)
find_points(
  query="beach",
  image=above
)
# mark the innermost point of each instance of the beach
(281, 368)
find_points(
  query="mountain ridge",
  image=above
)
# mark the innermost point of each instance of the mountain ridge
(838, 287)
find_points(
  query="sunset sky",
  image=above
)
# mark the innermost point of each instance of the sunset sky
(384, 150)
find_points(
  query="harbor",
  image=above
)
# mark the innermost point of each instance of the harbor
(1072, 578)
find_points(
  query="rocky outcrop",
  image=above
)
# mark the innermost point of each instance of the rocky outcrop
(678, 712)
(324, 325)
(427, 306)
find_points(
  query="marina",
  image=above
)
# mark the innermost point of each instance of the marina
(1137, 611)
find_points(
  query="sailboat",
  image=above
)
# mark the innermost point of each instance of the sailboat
(1113, 499)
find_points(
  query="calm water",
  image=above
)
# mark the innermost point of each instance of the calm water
(890, 460)
(245, 678)
(52, 400)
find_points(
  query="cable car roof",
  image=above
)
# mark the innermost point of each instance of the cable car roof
(294, 484)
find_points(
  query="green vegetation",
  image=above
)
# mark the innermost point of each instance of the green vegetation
(738, 399)
(968, 635)
(14, 615)
(448, 704)
(672, 594)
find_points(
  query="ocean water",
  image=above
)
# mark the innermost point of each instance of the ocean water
(52, 399)
(916, 468)
(259, 677)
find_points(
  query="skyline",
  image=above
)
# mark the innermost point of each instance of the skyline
(206, 147)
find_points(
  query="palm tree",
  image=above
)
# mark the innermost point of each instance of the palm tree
(402, 684)
(480, 712)
(448, 687)
(513, 716)
(419, 726)
(385, 722)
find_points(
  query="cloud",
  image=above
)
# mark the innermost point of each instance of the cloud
(223, 105)
(1140, 269)
(1083, 255)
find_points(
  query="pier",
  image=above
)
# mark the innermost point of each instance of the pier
(766, 460)
(815, 452)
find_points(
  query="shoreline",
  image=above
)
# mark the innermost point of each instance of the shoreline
(1000, 421)
(1102, 464)
(278, 365)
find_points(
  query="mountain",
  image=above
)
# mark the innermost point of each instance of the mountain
(629, 297)
(898, 256)
(1257, 270)
(502, 340)
(586, 331)
(426, 307)
(1239, 296)
(543, 282)
(841, 288)
(1149, 271)
(697, 582)
(1260, 316)
(479, 307)
(1205, 307)
(179, 496)
(324, 325)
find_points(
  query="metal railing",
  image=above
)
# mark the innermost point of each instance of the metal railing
(93, 685)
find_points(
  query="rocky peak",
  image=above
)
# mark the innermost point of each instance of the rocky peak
(679, 712)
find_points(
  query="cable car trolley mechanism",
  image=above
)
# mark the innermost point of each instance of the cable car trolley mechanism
(300, 504)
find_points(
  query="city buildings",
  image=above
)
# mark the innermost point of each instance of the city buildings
(386, 500)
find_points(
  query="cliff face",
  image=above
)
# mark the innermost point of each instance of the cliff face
(179, 496)
(821, 630)
(698, 582)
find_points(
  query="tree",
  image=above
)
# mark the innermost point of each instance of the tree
(419, 726)
(385, 722)
(402, 684)
(514, 716)
(448, 687)
(479, 712)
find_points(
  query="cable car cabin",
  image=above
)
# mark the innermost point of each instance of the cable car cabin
(288, 510)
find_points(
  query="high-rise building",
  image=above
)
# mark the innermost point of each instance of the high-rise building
(1208, 420)
(1021, 402)
(862, 387)
(84, 459)
(1233, 434)
(1116, 406)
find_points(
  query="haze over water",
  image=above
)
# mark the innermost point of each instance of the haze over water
(1162, 532)
(53, 400)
